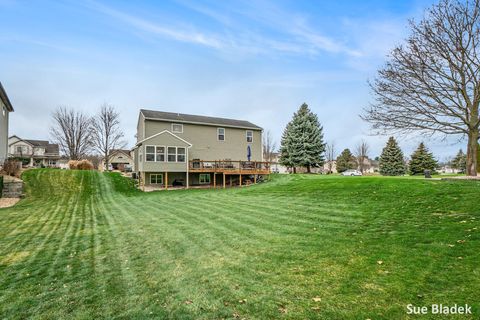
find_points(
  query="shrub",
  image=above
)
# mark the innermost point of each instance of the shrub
(80, 165)
(12, 168)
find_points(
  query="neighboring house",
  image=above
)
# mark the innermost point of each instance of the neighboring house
(184, 150)
(330, 166)
(370, 166)
(120, 160)
(447, 169)
(276, 167)
(33, 153)
(6, 108)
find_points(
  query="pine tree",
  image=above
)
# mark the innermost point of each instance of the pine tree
(391, 159)
(345, 161)
(422, 160)
(460, 161)
(302, 141)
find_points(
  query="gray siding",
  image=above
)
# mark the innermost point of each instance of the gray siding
(3, 132)
(205, 145)
(166, 140)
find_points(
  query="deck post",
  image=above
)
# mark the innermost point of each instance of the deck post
(166, 180)
(255, 178)
(230, 180)
(214, 180)
(224, 180)
(240, 179)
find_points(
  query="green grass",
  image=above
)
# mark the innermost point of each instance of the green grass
(86, 245)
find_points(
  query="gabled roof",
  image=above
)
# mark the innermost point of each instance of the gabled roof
(189, 118)
(4, 98)
(49, 147)
(163, 132)
(113, 151)
(37, 143)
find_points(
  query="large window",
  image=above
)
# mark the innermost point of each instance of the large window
(160, 153)
(249, 136)
(172, 154)
(180, 154)
(156, 178)
(221, 134)
(204, 178)
(177, 128)
(150, 153)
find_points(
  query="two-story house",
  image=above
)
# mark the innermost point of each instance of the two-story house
(175, 149)
(6, 108)
(34, 153)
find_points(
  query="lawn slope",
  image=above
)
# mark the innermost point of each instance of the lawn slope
(87, 245)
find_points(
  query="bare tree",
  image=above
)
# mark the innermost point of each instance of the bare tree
(269, 146)
(431, 84)
(330, 155)
(106, 132)
(361, 154)
(71, 130)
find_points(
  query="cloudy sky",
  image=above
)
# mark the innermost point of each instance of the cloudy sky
(252, 60)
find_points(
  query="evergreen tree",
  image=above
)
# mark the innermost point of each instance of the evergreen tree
(345, 161)
(460, 161)
(391, 159)
(422, 160)
(302, 141)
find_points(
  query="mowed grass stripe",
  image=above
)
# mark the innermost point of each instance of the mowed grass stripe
(108, 251)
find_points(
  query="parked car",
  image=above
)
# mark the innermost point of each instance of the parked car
(351, 172)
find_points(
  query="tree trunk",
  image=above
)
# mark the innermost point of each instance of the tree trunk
(309, 170)
(294, 169)
(472, 150)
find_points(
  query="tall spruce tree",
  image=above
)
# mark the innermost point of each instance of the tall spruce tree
(302, 141)
(460, 161)
(391, 159)
(345, 161)
(422, 160)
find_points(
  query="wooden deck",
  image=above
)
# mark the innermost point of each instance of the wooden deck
(228, 167)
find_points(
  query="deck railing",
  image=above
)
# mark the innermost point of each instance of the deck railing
(229, 166)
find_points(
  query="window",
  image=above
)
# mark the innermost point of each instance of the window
(140, 157)
(160, 152)
(18, 149)
(156, 178)
(150, 153)
(4, 110)
(249, 136)
(180, 154)
(177, 128)
(172, 154)
(204, 178)
(221, 134)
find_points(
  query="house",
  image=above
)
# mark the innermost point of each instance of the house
(119, 159)
(276, 167)
(33, 153)
(175, 149)
(6, 108)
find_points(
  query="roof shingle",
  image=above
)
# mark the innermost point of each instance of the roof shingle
(189, 118)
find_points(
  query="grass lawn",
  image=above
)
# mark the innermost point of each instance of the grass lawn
(86, 245)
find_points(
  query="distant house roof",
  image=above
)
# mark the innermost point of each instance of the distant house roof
(127, 152)
(49, 147)
(189, 118)
(4, 98)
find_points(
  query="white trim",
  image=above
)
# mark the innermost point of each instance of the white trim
(168, 154)
(164, 152)
(178, 124)
(162, 132)
(184, 155)
(147, 153)
(246, 135)
(224, 134)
